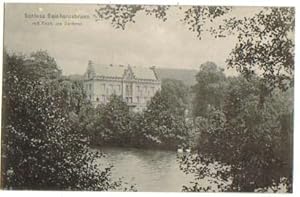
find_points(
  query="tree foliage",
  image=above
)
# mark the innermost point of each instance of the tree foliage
(194, 17)
(177, 95)
(161, 125)
(265, 46)
(113, 122)
(74, 94)
(120, 15)
(43, 148)
(209, 90)
(43, 65)
(254, 141)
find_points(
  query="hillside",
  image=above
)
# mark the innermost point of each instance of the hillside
(187, 76)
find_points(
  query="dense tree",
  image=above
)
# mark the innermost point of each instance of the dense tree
(43, 65)
(209, 90)
(177, 95)
(112, 122)
(162, 126)
(74, 94)
(254, 141)
(42, 147)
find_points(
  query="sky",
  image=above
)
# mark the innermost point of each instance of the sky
(148, 42)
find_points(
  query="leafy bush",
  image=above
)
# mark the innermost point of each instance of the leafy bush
(43, 149)
(254, 139)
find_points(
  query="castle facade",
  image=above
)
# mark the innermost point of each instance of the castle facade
(135, 85)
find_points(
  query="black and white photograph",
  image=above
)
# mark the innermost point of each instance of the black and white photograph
(148, 98)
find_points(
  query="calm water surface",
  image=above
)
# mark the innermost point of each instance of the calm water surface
(149, 170)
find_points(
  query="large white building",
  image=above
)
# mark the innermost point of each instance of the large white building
(136, 85)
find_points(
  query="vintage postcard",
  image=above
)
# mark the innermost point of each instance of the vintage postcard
(147, 98)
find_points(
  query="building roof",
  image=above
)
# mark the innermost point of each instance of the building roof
(110, 70)
(144, 73)
(118, 71)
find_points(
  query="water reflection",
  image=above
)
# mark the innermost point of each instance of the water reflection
(150, 170)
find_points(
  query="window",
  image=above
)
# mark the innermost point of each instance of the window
(103, 98)
(128, 90)
(97, 99)
(90, 86)
(138, 99)
(103, 87)
(128, 99)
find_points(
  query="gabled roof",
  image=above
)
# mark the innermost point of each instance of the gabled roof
(110, 70)
(144, 73)
(118, 71)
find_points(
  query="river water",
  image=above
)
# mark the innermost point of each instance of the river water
(148, 170)
(151, 170)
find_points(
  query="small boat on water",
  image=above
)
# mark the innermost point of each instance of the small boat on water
(183, 150)
(180, 150)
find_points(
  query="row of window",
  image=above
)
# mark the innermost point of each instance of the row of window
(128, 88)
(104, 98)
(116, 89)
(144, 89)
(110, 90)
(111, 87)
